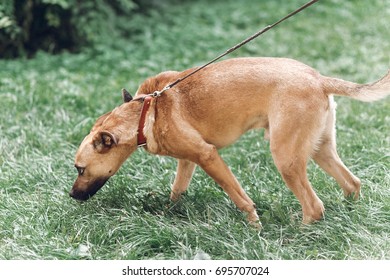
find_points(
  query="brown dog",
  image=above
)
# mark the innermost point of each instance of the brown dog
(212, 109)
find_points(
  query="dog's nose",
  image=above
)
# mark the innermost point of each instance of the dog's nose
(79, 195)
(75, 194)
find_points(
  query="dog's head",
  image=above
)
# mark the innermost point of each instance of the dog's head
(111, 141)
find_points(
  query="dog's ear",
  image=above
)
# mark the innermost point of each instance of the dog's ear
(108, 139)
(126, 96)
(104, 140)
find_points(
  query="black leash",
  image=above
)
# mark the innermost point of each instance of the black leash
(257, 34)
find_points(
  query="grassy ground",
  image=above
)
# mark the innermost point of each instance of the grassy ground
(49, 103)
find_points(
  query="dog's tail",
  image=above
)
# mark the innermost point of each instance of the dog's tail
(367, 92)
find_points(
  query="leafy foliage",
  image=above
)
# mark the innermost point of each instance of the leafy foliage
(53, 25)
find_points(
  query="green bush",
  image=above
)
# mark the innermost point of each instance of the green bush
(27, 26)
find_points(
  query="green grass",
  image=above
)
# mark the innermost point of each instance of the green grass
(49, 103)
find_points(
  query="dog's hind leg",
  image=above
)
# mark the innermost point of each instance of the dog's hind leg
(185, 169)
(293, 171)
(327, 158)
(291, 144)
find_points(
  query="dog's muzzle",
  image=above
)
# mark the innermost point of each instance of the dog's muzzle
(83, 193)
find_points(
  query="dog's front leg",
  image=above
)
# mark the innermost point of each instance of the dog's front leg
(211, 162)
(185, 169)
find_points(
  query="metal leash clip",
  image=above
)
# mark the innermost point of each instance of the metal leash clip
(158, 93)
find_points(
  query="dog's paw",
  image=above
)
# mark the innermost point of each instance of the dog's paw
(352, 190)
(256, 225)
(316, 213)
(352, 196)
(309, 219)
(175, 196)
(254, 220)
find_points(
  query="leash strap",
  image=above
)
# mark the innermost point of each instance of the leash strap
(257, 34)
(141, 139)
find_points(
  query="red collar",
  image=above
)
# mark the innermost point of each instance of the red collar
(141, 139)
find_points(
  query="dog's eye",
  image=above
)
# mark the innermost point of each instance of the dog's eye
(80, 170)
